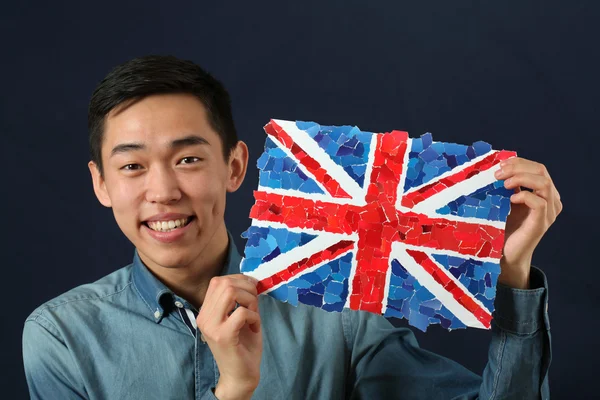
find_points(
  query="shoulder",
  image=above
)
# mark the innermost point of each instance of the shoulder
(83, 297)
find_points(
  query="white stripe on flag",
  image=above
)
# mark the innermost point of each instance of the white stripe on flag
(427, 281)
(386, 289)
(452, 193)
(353, 266)
(320, 243)
(452, 253)
(453, 171)
(369, 169)
(470, 220)
(303, 139)
(293, 157)
(402, 182)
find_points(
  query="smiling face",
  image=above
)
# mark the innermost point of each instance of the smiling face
(166, 180)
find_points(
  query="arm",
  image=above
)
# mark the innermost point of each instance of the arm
(49, 367)
(520, 352)
(387, 362)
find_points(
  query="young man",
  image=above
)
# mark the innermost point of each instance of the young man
(181, 322)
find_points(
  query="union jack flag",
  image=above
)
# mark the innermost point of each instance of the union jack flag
(380, 222)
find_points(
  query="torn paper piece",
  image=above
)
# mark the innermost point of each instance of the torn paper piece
(380, 222)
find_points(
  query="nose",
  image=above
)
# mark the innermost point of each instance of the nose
(162, 186)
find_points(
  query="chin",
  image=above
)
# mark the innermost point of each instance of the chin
(168, 258)
(180, 252)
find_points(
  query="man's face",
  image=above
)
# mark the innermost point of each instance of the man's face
(166, 179)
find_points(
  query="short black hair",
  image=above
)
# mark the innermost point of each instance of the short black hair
(156, 74)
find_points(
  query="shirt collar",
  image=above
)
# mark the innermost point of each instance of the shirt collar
(156, 294)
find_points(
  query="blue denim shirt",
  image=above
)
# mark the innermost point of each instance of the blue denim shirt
(122, 338)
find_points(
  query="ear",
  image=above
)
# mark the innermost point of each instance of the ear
(99, 185)
(238, 163)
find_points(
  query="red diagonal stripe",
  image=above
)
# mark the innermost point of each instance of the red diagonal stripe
(462, 297)
(311, 165)
(321, 257)
(413, 198)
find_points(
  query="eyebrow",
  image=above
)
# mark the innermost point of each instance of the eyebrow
(190, 140)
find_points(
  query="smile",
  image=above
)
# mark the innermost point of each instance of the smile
(169, 225)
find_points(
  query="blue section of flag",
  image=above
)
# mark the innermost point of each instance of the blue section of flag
(266, 243)
(278, 171)
(429, 159)
(478, 277)
(408, 299)
(491, 202)
(326, 287)
(347, 146)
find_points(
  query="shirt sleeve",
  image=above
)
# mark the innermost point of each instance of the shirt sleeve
(387, 362)
(49, 368)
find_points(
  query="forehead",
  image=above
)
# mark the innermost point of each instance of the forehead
(157, 120)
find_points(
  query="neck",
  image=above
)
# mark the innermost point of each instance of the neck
(191, 281)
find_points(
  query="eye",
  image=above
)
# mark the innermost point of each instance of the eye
(189, 160)
(131, 167)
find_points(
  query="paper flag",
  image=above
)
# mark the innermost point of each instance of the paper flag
(380, 222)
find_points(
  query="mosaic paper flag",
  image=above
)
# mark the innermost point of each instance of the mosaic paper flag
(407, 228)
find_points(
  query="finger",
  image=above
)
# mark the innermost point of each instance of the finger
(556, 209)
(217, 285)
(540, 184)
(227, 302)
(217, 310)
(242, 281)
(242, 316)
(534, 202)
(243, 277)
(518, 165)
(559, 207)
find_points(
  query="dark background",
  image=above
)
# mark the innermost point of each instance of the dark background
(521, 75)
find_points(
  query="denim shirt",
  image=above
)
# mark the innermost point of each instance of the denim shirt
(122, 337)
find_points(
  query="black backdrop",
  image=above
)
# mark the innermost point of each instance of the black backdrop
(519, 74)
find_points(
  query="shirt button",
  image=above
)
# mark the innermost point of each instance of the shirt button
(157, 314)
(178, 304)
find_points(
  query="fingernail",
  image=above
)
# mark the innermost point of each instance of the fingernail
(502, 164)
(498, 173)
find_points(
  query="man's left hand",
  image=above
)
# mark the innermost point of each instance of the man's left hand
(531, 215)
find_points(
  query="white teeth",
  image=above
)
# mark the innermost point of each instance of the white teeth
(166, 226)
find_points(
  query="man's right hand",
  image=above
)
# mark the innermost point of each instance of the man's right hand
(233, 334)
